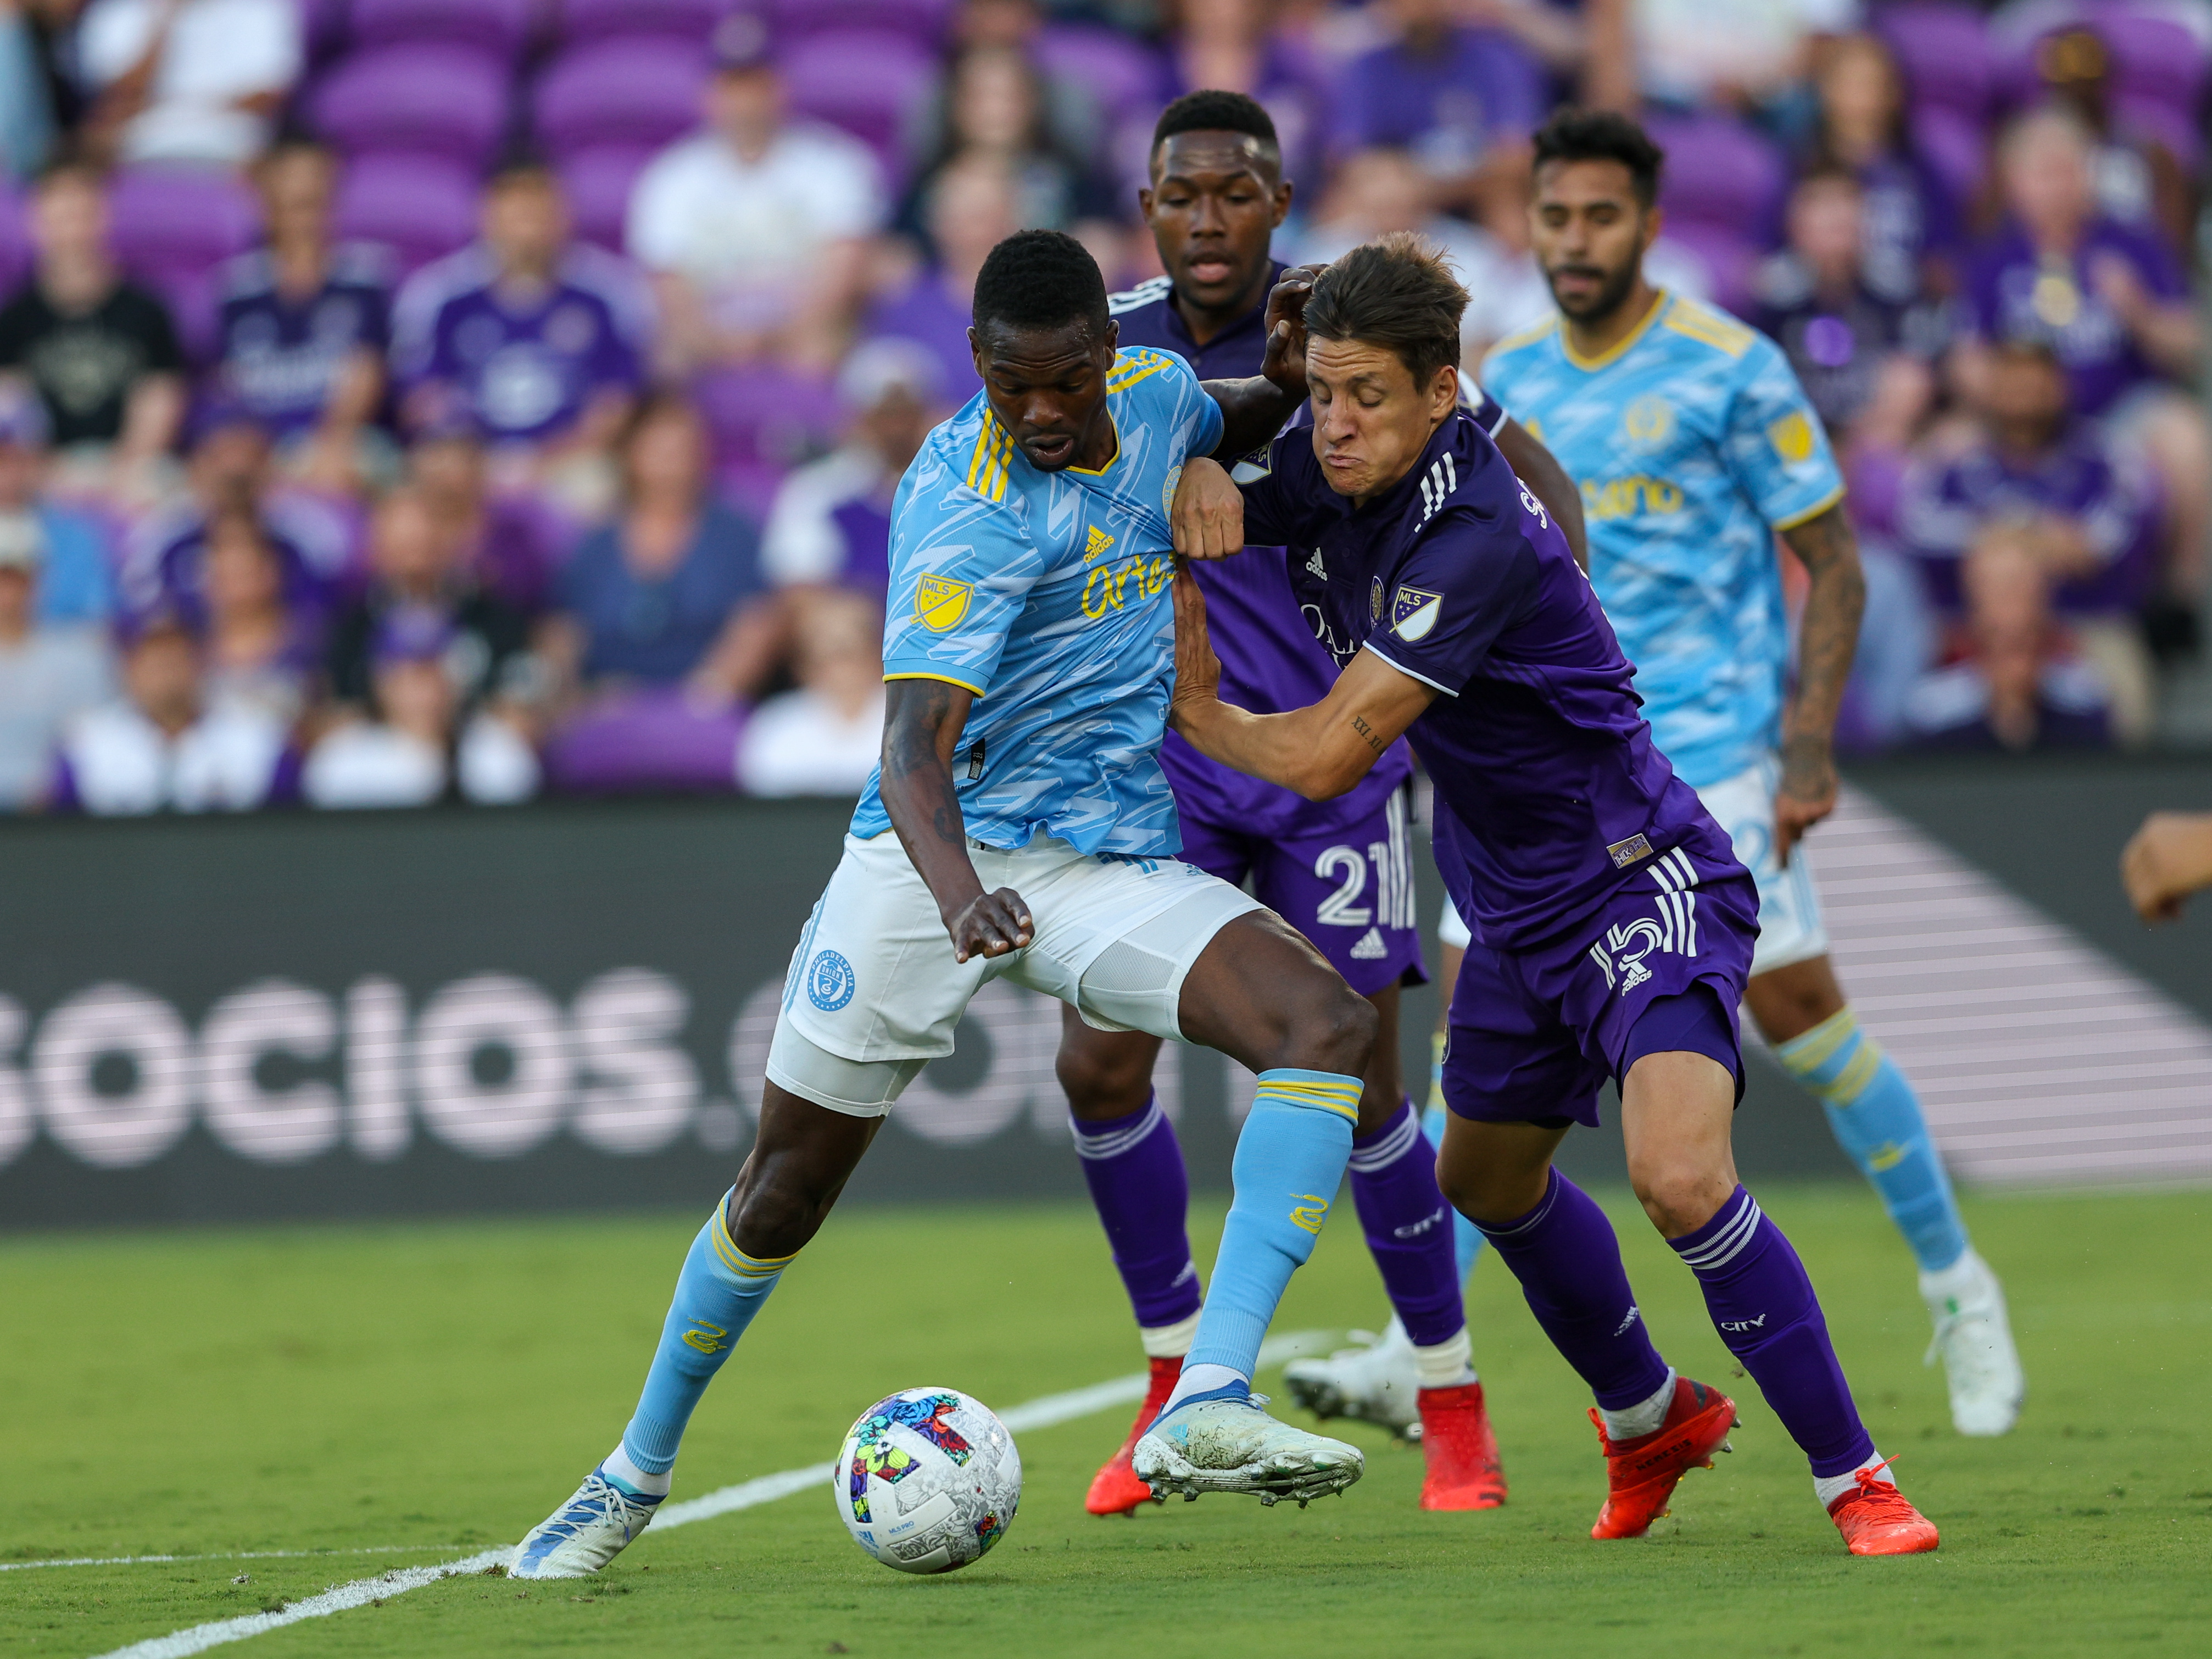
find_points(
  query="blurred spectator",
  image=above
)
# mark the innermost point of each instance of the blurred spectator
(997, 110)
(1745, 55)
(968, 210)
(535, 339)
(2112, 302)
(305, 325)
(74, 584)
(1071, 113)
(509, 545)
(26, 116)
(1910, 223)
(2044, 486)
(659, 597)
(822, 738)
(262, 648)
(1228, 45)
(1460, 99)
(423, 745)
(48, 674)
(188, 80)
(1864, 356)
(165, 745)
(756, 229)
(2019, 690)
(418, 569)
(831, 524)
(100, 351)
(2139, 181)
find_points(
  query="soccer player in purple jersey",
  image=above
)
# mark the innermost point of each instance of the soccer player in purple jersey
(1612, 926)
(1341, 872)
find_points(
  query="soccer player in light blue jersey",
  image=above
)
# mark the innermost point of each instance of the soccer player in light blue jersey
(1694, 446)
(1019, 826)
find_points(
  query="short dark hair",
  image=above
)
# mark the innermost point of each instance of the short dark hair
(1212, 110)
(1397, 292)
(1600, 135)
(1040, 279)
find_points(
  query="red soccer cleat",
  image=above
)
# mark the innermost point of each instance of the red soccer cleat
(1116, 1489)
(1876, 1519)
(1642, 1472)
(1460, 1449)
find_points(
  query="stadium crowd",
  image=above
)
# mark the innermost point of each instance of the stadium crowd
(403, 400)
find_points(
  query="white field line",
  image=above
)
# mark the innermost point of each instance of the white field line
(235, 1555)
(1030, 1415)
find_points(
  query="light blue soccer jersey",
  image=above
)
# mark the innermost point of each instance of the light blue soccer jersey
(1047, 594)
(1692, 442)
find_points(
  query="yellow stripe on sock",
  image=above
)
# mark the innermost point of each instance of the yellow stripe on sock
(1340, 1097)
(745, 1266)
(1850, 1083)
(1810, 1050)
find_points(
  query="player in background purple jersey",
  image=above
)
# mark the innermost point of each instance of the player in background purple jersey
(1340, 872)
(1612, 926)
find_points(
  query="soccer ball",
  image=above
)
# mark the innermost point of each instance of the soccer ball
(928, 1480)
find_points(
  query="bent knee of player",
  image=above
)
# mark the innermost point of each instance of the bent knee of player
(1678, 1191)
(1330, 1027)
(777, 1212)
(1105, 1079)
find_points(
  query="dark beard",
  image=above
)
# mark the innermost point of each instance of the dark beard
(1610, 298)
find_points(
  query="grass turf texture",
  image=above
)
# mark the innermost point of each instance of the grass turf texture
(442, 1386)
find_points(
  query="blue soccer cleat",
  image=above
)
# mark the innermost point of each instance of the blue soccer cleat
(584, 1533)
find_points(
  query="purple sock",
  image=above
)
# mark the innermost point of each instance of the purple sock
(1568, 1261)
(1764, 1307)
(1134, 1167)
(1408, 1227)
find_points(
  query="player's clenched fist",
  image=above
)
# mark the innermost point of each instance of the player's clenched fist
(991, 925)
(2167, 860)
(1208, 516)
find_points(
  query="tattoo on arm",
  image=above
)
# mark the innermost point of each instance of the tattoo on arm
(1830, 631)
(1373, 740)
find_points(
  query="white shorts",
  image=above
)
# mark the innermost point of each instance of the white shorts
(1789, 925)
(873, 993)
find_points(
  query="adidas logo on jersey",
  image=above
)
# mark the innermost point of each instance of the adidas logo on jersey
(1372, 947)
(1097, 543)
(1314, 567)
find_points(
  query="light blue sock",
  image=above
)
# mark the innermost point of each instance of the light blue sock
(1467, 1237)
(1289, 1161)
(1876, 1119)
(717, 1294)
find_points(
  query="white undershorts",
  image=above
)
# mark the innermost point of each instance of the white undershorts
(1790, 929)
(873, 993)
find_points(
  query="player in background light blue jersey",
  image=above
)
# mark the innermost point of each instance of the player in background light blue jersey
(1694, 446)
(1019, 826)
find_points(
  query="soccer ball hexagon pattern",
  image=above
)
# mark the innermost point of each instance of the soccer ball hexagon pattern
(928, 1480)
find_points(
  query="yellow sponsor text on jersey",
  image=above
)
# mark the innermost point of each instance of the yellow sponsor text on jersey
(1792, 437)
(939, 603)
(1097, 543)
(1624, 498)
(1108, 588)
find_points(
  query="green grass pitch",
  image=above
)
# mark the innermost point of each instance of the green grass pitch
(438, 1388)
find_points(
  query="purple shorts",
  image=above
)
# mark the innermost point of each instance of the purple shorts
(1345, 882)
(1534, 1034)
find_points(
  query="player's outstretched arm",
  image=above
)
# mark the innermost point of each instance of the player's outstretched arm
(1319, 751)
(1208, 517)
(922, 722)
(1828, 637)
(1538, 468)
(2167, 860)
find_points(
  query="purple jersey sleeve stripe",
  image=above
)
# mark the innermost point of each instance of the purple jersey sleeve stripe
(1370, 646)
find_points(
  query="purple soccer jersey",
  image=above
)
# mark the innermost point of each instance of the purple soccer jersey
(2013, 294)
(281, 356)
(521, 369)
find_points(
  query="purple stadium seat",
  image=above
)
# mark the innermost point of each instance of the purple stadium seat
(646, 742)
(865, 82)
(2172, 126)
(1729, 256)
(1122, 75)
(643, 94)
(426, 100)
(323, 26)
(691, 20)
(1956, 146)
(2154, 59)
(173, 222)
(420, 207)
(1945, 53)
(15, 239)
(599, 183)
(921, 20)
(765, 420)
(497, 29)
(1719, 174)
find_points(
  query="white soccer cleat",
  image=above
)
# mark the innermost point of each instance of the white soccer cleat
(584, 1533)
(1973, 1337)
(1372, 1382)
(1231, 1445)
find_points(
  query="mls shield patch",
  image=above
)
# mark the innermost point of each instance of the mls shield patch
(1413, 613)
(939, 603)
